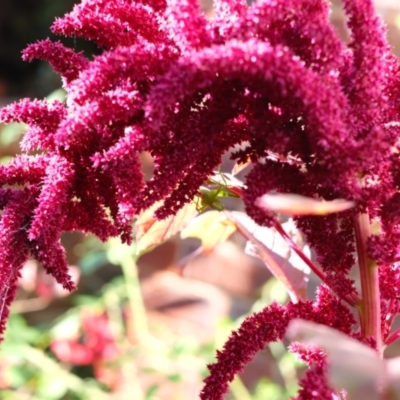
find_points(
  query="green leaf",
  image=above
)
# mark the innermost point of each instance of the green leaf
(92, 261)
(58, 94)
(19, 332)
(151, 392)
(51, 387)
(18, 375)
(268, 390)
(68, 326)
(12, 132)
(174, 378)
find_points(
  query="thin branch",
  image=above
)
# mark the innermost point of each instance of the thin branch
(351, 300)
(392, 337)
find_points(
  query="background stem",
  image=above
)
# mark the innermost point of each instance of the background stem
(137, 307)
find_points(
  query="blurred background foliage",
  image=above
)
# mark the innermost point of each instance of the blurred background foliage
(137, 327)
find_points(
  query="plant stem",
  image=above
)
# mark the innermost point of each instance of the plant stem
(351, 300)
(49, 367)
(314, 268)
(392, 337)
(370, 307)
(239, 390)
(139, 317)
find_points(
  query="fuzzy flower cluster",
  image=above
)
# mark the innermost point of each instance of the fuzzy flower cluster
(315, 116)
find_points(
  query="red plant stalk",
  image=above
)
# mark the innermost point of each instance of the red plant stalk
(370, 305)
(351, 300)
(392, 338)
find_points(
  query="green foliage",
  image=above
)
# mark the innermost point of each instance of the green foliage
(33, 370)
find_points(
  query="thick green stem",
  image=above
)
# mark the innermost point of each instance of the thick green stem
(138, 310)
(123, 255)
(370, 307)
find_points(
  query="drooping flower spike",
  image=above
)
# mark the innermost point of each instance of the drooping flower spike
(316, 116)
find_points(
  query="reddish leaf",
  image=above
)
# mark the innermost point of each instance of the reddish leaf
(268, 245)
(239, 167)
(393, 376)
(150, 232)
(294, 204)
(352, 365)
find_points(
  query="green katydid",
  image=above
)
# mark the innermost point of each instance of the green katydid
(217, 186)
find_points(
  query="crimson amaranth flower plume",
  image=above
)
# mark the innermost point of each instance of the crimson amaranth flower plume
(315, 116)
